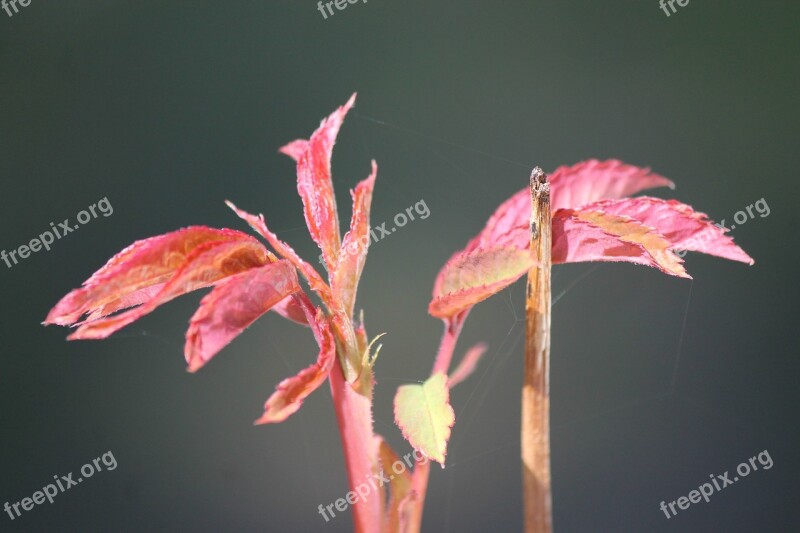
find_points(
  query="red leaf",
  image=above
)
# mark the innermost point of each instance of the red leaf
(508, 225)
(353, 254)
(592, 180)
(592, 223)
(234, 304)
(129, 300)
(682, 226)
(471, 277)
(467, 365)
(204, 266)
(295, 149)
(315, 186)
(284, 250)
(138, 273)
(291, 309)
(570, 187)
(290, 393)
(586, 235)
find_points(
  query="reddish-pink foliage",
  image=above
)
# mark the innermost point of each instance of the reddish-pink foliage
(593, 220)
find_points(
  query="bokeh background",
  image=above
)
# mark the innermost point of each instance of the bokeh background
(169, 108)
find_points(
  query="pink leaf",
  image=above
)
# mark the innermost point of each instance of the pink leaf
(290, 393)
(234, 304)
(138, 272)
(204, 266)
(284, 250)
(467, 365)
(592, 180)
(585, 235)
(570, 187)
(295, 149)
(508, 225)
(315, 186)
(683, 227)
(291, 309)
(128, 300)
(353, 254)
(470, 277)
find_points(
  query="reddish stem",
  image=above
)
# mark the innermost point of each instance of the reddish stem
(452, 329)
(353, 405)
(419, 485)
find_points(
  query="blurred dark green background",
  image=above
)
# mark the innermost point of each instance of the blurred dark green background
(169, 108)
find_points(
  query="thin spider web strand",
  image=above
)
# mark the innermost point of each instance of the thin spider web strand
(442, 141)
(575, 283)
(680, 340)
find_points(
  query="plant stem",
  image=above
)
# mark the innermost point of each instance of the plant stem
(353, 405)
(535, 434)
(419, 485)
(452, 329)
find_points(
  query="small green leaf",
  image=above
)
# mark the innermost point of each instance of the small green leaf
(424, 415)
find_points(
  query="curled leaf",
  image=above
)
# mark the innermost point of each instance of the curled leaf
(203, 267)
(291, 309)
(353, 253)
(138, 273)
(234, 304)
(315, 186)
(315, 281)
(290, 393)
